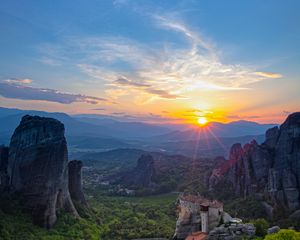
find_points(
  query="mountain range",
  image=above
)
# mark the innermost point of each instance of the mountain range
(99, 133)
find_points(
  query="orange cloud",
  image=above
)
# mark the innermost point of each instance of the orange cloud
(19, 81)
(268, 74)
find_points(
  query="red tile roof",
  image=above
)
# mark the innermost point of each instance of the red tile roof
(196, 236)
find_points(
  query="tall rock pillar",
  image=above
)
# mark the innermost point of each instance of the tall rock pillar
(75, 182)
(38, 168)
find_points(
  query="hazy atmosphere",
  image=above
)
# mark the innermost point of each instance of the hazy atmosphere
(149, 120)
(152, 60)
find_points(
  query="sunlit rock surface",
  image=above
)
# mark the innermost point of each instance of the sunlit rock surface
(271, 169)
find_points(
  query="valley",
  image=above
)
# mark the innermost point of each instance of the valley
(130, 193)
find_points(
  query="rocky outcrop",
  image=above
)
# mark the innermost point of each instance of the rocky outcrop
(38, 168)
(235, 231)
(141, 175)
(75, 182)
(3, 168)
(284, 175)
(218, 173)
(250, 172)
(271, 169)
(274, 229)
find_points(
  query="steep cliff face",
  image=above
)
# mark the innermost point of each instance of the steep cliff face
(145, 170)
(75, 182)
(38, 168)
(271, 169)
(249, 174)
(284, 176)
(3, 168)
(141, 175)
(218, 173)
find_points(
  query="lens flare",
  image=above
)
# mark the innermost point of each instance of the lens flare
(202, 121)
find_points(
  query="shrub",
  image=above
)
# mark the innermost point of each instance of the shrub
(261, 226)
(246, 209)
(284, 234)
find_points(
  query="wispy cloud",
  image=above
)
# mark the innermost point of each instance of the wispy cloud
(160, 70)
(126, 82)
(239, 117)
(18, 81)
(180, 27)
(20, 91)
(147, 88)
(268, 74)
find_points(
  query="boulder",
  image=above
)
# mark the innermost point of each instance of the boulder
(226, 217)
(274, 229)
(234, 231)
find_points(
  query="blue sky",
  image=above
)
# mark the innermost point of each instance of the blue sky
(130, 56)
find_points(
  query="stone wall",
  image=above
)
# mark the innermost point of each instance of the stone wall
(189, 217)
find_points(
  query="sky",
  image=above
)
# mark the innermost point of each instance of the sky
(155, 61)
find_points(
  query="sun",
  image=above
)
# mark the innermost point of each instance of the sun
(202, 121)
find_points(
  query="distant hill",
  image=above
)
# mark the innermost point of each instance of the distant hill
(98, 133)
(210, 147)
(136, 129)
(216, 129)
(10, 118)
(110, 162)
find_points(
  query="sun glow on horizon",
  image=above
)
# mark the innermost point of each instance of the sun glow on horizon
(202, 121)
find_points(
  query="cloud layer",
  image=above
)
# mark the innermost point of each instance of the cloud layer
(13, 89)
(128, 67)
(18, 81)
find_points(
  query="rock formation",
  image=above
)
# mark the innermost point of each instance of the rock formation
(249, 173)
(271, 169)
(75, 182)
(235, 231)
(141, 175)
(3, 168)
(38, 168)
(218, 173)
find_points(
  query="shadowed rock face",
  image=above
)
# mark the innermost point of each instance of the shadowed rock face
(141, 175)
(38, 168)
(144, 171)
(271, 169)
(3, 168)
(75, 182)
(250, 172)
(284, 175)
